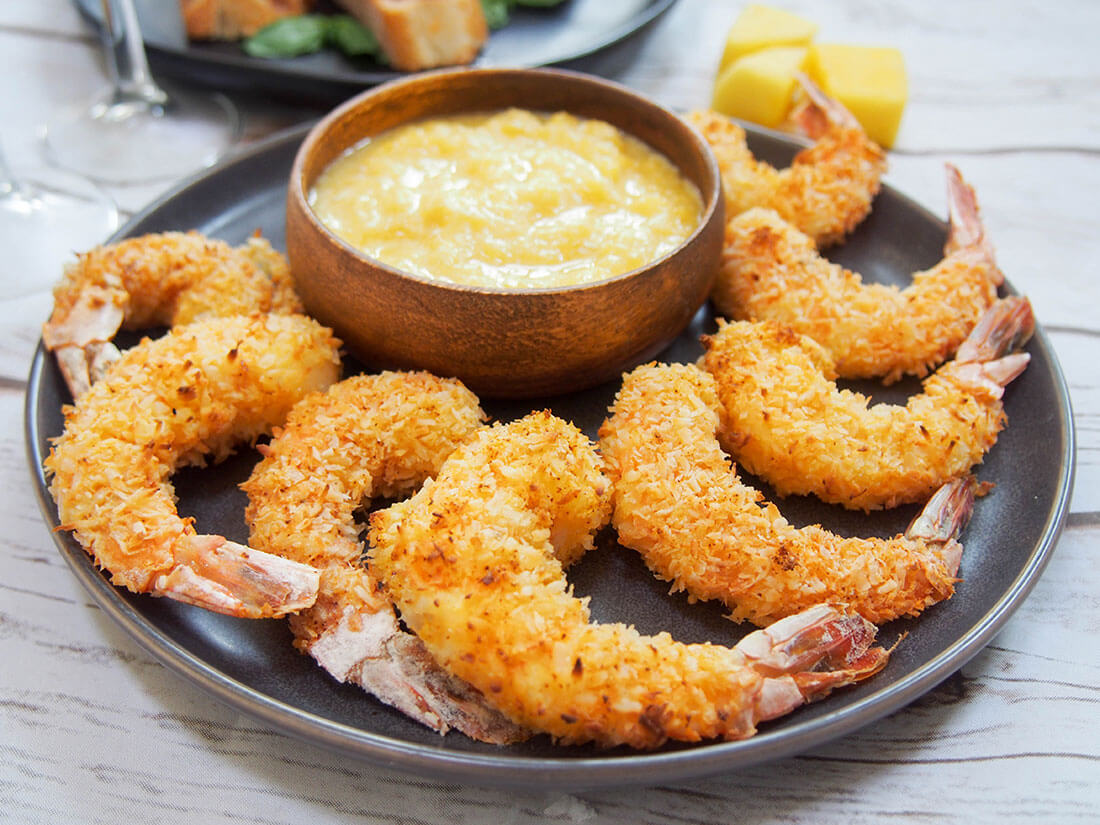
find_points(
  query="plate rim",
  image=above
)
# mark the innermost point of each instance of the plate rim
(209, 68)
(510, 770)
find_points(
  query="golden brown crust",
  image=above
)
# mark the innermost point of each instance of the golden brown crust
(825, 192)
(174, 278)
(474, 561)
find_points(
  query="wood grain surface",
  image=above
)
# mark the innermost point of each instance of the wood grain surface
(92, 729)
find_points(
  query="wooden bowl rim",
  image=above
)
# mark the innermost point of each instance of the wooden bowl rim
(297, 189)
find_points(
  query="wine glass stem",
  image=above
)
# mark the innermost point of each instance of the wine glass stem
(10, 185)
(132, 81)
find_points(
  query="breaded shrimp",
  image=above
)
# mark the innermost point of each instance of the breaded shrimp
(828, 188)
(475, 561)
(182, 399)
(772, 271)
(367, 436)
(157, 280)
(787, 422)
(680, 503)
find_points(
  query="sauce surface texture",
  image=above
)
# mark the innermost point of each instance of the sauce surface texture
(513, 199)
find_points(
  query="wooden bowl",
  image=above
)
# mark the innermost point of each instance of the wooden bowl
(502, 343)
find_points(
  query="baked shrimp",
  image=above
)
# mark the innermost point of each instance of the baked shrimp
(770, 270)
(680, 503)
(183, 399)
(789, 423)
(367, 436)
(828, 188)
(475, 563)
(157, 280)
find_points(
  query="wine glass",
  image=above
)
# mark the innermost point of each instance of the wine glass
(44, 216)
(136, 131)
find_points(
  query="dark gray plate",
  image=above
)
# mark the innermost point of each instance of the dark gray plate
(250, 664)
(533, 37)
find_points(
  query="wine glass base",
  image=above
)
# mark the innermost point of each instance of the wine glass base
(132, 142)
(46, 216)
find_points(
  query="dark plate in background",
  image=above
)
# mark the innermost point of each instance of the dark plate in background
(251, 665)
(534, 37)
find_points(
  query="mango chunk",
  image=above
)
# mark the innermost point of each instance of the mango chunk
(758, 86)
(869, 80)
(761, 27)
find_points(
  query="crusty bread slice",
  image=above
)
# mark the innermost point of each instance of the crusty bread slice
(422, 34)
(234, 19)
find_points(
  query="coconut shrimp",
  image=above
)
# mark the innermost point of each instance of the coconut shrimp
(475, 563)
(772, 271)
(157, 280)
(680, 503)
(828, 188)
(787, 422)
(367, 436)
(183, 399)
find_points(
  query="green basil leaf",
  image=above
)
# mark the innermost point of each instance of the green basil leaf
(289, 37)
(496, 12)
(352, 37)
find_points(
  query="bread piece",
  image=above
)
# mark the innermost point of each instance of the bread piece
(422, 34)
(234, 19)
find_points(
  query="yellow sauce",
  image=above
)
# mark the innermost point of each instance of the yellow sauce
(513, 200)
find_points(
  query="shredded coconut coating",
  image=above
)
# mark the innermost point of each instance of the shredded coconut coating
(680, 503)
(772, 271)
(178, 277)
(157, 280)
(475, 563)
(789, 423)
(182, 399)
(365, 437)
(825, 192)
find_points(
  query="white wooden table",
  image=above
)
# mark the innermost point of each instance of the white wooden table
(92, 729)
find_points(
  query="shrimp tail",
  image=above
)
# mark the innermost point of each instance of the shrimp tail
(965, 230)
(990, 377)
(805, 656)
(81, 338)
(943, 519)
(82, 366)
(369, 649)
(816, 111)
(455, 703)
(987, 361)
(1004, 328)
(231, 578)
(1005, 370)
(946, 513)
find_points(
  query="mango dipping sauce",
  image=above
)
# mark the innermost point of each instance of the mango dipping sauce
(513, 199)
